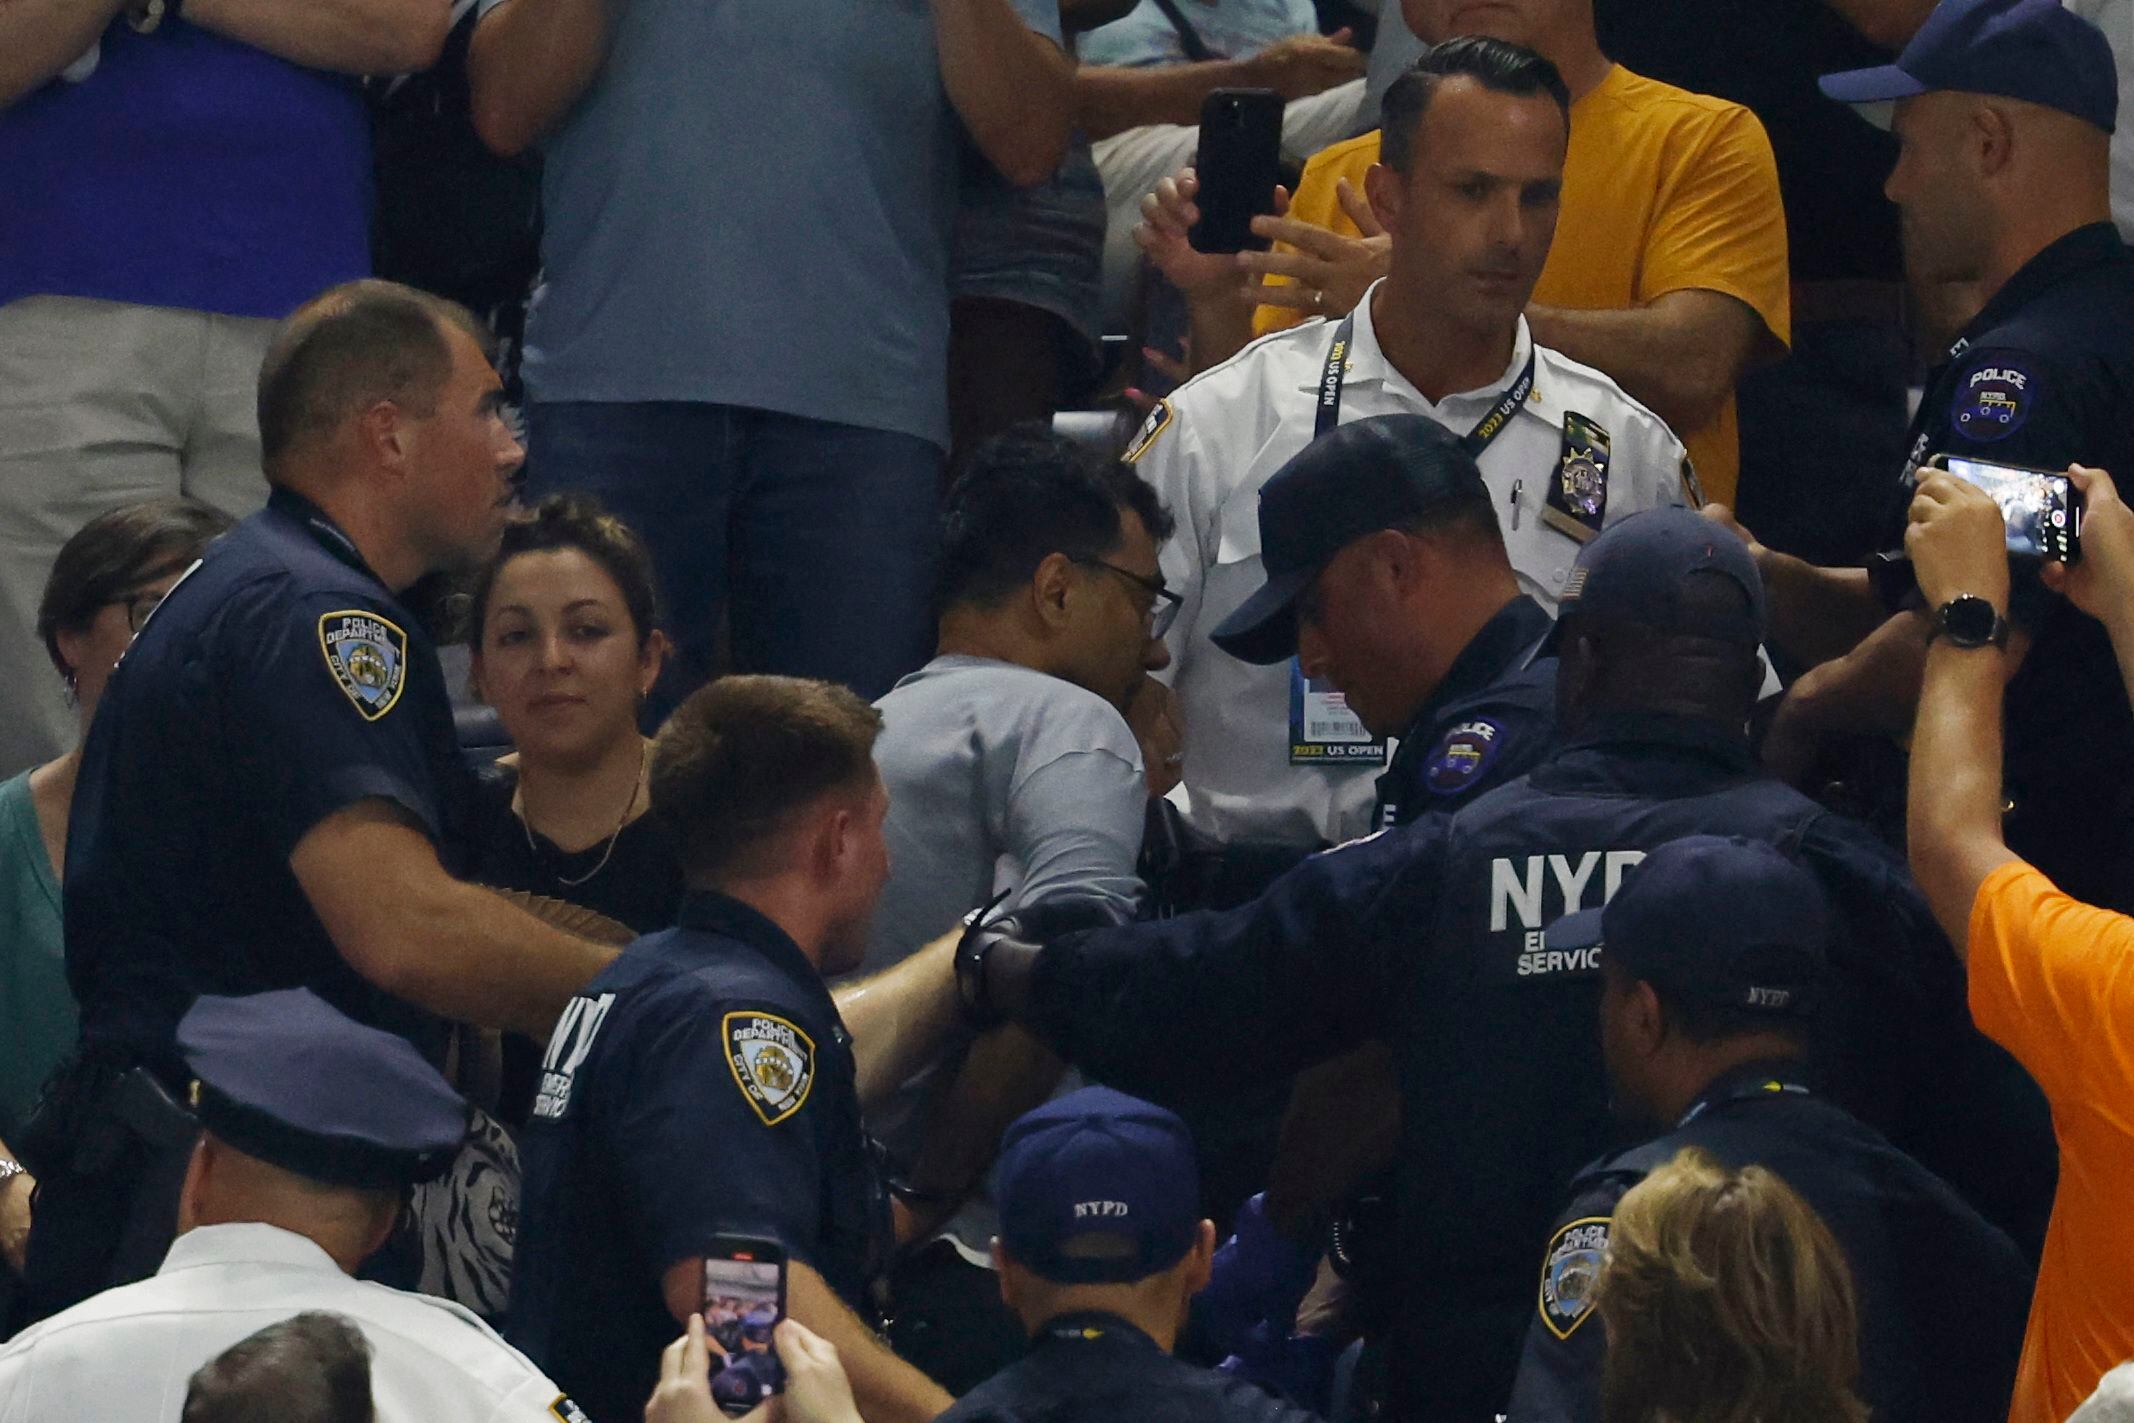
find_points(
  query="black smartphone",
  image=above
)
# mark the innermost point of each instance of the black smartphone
(2043, 509)
(1238, 166)
(744, 1298)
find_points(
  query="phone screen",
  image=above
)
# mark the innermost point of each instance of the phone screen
(744, 1299)
(2042, 510)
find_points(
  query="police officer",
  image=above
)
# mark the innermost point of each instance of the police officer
(1275, 764)
(1712, 955)
(704, 1086)
(1429, 937)
(2004, 108)
(268, 790)
(313, 1127)
(1387, 579)
(1101, 1247)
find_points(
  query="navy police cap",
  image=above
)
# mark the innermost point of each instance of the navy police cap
(1098, 1187)
(1721, 919)
(2033, 50)
(1358, 478)
(1638, 569)
(290, 1080)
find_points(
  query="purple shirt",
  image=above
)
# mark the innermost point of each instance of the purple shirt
(187, 171)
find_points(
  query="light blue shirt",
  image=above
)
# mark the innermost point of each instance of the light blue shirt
(751, 206)
(1232, 29)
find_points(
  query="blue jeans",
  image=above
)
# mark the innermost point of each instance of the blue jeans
(815, 541)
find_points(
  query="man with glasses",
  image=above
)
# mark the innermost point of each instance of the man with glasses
(1012, 776)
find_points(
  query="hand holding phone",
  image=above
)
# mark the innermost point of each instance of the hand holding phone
(2042, 509)
(1239, 163)
(744, 1299)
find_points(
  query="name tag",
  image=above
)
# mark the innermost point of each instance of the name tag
(1322, 729)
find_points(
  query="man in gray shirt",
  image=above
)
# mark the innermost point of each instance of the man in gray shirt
(741, 340)
(1010, 770)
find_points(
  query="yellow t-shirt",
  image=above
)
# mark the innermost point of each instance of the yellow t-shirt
(2052, 981)
(1663, 191)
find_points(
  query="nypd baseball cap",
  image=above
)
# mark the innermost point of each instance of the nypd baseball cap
(1720, 919)
(1356, 479)
(1097, 1188)
(2033, 50)
(1639, 570)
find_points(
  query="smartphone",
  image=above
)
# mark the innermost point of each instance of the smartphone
(744, 1298)
(2043, 510)
(1238, 165)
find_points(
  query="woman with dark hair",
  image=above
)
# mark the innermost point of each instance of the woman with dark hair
(1726, 1300)
(106, 581)
(566, 649)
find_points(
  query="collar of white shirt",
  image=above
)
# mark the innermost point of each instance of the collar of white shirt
(1368, 365)
(251, 1243)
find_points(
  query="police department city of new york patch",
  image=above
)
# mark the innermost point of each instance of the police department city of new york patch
(773, 1063)
(1464, 753)
(1159, 420)
(1569, 1272)
(566, 1411)
(368, 656)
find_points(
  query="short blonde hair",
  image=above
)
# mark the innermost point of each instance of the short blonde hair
(1726, 1300)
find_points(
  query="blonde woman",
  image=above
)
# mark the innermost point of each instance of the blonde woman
(1726, 1300)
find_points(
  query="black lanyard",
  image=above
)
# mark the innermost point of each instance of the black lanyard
(1336, 374)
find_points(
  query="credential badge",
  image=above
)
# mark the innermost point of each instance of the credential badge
(368, 656)
(773, 1063)
(1569, 1273)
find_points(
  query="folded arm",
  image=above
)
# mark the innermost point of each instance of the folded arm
(453, 948)
(38, 38)
(1681, 354)
(528, 63)
(347, 36)
(1012, 87)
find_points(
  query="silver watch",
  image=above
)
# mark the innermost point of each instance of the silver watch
(9, 1170)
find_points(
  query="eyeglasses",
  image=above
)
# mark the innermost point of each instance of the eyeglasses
(138, 606)
(1163, 603)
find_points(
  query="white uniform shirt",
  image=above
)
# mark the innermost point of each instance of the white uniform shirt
(126, 1355)
(1226, 432)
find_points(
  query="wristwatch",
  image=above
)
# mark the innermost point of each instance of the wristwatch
(971, 953)
(1968, 620)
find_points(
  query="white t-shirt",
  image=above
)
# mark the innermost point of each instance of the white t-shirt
(126, 1355)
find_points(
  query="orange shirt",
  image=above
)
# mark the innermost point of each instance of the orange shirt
(1663, 191)
(2052, 981)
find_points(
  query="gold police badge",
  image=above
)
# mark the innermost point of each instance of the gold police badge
(773, 1063)
(368, 657)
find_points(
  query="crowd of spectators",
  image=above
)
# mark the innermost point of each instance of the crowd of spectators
(1476, 811)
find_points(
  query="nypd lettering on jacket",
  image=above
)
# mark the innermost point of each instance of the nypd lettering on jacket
(1530, 892)
(568, 1048)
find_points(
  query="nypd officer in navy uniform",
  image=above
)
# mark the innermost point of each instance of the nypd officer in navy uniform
(2004, 109)
(1387, 577)
(705, 1085)
(1429, 937)
(1711, 959)
(268, 791)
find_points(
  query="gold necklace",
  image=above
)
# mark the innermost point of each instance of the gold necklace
(628, 806)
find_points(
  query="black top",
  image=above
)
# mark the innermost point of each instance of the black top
(701, 1085)
(1831, 162)
(640, 885)
(1429, 937)
(1943, 1296)
(1490, 720)
(279, 682)
(1099, 1368)
(2044, 376)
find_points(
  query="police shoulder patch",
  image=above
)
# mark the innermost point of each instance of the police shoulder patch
(1569, 1271)
(368, 657)
(1158, 421)
(1994, 394)
(773, 1063)
(1461, 755)
(566, 1411)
